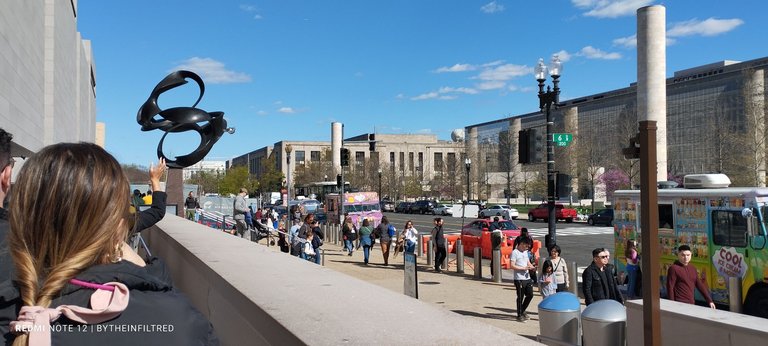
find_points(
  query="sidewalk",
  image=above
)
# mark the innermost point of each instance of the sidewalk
(489, 302)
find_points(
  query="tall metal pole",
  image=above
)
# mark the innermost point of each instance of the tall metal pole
(288, 150)
(546, 100)
(380, 184)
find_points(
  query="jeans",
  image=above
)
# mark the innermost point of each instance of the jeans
(410, 246)
(366, 253)
(349, 245)
(440, 254)
(524, 289)
(317, 255)
(631, 280)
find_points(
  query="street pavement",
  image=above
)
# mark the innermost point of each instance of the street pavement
(481, 299)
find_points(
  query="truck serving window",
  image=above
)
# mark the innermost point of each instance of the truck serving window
(729, 228)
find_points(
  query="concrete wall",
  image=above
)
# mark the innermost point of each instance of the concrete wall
(46, 84)
(686, 324)
(256, 296)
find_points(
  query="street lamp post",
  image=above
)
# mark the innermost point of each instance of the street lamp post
(380, 197)
(288, 150)
(546, 100)
(467, 165)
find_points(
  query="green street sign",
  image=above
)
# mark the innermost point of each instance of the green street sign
(562, 139)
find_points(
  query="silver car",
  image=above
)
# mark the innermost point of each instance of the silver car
(442, 209)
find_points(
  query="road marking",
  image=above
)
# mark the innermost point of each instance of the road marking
(540, 232)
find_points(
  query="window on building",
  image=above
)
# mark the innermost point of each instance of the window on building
(438, 162)
(451, 162)
(360, 158)
(402, 162)
(420, 168)
(729, 228)
(374, 157)
(300, 157)
(410, 162)
(314, 156)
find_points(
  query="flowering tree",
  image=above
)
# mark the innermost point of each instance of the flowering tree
(614, 179)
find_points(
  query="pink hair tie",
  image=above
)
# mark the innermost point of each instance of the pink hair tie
(91, 285)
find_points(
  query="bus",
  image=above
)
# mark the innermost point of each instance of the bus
(318, 189)
(359, 205)
(724, 226)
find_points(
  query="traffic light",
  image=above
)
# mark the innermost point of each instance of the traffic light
(371, 142)
(633, 151)
(563, 185)
(344, 157)
(535, 146)
(338, 181)
(522, 147)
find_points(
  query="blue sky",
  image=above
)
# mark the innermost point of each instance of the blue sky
(286, 69)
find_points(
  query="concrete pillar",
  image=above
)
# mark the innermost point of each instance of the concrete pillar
(755, 112)
(337, 131)
(571, 121)
(472, 154)
(651, 78)
(174, 188)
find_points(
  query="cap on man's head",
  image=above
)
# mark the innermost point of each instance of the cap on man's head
(243, 190)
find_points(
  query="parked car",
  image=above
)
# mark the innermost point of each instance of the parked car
(603, 216)
(500, 210)
(403, 207)
(422, 207)
(477, 227)
(561, 213)
(442, 209)
(387, 206)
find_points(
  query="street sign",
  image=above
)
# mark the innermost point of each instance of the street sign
(562, 139)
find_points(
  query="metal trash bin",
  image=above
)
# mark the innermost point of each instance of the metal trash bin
(559, 319)
(604, 322)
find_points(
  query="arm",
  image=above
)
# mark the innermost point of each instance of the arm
(705, 292)
(156, 212)
(513, 259)
(671, 282)
(586, 281)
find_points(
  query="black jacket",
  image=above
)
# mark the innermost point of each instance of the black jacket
(155, 213)
(599, 285)
(166, 316)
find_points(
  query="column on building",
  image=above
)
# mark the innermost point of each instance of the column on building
(571, 122)
(474, 155)
(756, 113)
(515, 126)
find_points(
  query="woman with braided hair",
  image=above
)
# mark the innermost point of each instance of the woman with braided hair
(78, 280)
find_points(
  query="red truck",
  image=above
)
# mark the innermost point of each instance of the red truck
(561, 213)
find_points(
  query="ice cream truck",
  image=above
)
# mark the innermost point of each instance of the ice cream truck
(724, 226)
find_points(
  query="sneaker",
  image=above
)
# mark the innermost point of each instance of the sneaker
(438, 270)
(350, 254)
(520, 319)
(525, 316)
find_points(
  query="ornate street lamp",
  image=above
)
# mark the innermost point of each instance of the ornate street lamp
(546, 100)
(380, 197)
(467, 165)
(288, 150)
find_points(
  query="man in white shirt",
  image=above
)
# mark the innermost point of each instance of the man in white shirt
(521, 264)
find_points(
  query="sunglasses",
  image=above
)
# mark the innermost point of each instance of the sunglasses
(604, 256)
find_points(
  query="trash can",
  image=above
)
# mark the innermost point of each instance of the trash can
(604, 322)
(559, 319)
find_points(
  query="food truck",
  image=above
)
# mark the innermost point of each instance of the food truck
(358, 205)
(724, 226)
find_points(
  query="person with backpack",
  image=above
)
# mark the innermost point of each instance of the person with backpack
(349, 231)
(317, 240)
(366, 239)
(385, 231)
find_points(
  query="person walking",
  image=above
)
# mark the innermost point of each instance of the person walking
(440, 247)
(239, 208)
(598, 281)
(411, 237)
(191, 205)
(384, 232)
(525, 235)
(559, 268)
(366, 240)
(349, 232)
(547, 282)
(317, 241)
(632, 268)
(522, 266)
(682, 278)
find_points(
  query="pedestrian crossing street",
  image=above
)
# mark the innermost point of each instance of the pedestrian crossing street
(572, 231)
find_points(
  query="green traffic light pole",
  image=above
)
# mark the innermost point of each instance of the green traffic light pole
(546, 100)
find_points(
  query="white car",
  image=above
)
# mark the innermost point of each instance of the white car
(442, 209)
(500, 210)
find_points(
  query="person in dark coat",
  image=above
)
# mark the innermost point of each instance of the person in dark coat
(598, 281)
(74, 274)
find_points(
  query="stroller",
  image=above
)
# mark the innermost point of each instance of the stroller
(260, 231)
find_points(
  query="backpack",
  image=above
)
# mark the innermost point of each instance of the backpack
(391, 231)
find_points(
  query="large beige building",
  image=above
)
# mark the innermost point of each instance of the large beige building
(47, 75)
(418, 159)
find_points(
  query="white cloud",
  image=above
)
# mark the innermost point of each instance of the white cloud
(492, 7)
(262, 112)
(445, 90)
(521, 89)
(610, 8)
(504, 72)
(707, 27)
(493, 63)
(563, 55)
(626, 42)
(590, 52)
(444, 93)
(427, 96)
(400, 96)
(287, 110)
(251, 9)
(424, 131)
(212, 71)
(456, 68)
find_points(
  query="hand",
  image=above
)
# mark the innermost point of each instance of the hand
(712, 305)
(155, 173)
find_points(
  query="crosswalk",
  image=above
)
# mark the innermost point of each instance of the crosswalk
(572, 231)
